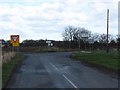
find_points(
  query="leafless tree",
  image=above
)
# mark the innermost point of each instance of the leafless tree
(69, 33)
(95, 36)
(103, 38)
(75, 32)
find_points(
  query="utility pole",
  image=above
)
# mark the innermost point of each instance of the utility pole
(107, 29)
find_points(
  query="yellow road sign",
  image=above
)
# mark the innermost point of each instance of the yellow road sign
(14, 39)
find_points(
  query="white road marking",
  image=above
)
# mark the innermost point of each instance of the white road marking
(65, 76)
(54, 66)
(70, 81)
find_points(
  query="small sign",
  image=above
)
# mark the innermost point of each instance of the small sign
(48, 41)
(91, 41)
(14, 39)
(85, 38)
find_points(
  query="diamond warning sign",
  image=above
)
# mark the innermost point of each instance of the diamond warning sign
(14, 39)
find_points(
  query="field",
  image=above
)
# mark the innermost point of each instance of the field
(38, 49)
(99, 58)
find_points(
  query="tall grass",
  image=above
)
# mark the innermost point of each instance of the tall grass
(7, 68)
(7, 56)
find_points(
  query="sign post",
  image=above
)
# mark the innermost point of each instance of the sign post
(14, 39)
(85, 38)
(91, 42)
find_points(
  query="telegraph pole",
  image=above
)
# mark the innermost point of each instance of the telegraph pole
(107, 29)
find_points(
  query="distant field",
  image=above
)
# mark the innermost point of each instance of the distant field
(101, 58)
(38, 49)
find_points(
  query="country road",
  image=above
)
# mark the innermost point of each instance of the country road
(57, 70)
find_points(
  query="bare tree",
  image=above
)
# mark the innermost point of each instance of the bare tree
(95, 36)
(69, 33)
(75, 34)
(103, 38)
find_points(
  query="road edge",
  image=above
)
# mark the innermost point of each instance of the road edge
(13, 70)
(101, 68)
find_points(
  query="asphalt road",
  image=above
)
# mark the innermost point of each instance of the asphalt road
(57, 70)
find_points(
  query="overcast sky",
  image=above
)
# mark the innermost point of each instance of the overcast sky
(46, 19)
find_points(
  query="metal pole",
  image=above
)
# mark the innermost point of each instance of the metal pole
(92, 46)
(79, 42)
(107, 29)
(85, 45)
(12, 49)
(17, 50)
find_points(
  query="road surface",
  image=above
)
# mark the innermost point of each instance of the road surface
(57, 70)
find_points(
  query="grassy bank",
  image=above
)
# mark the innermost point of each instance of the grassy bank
(7, 68)
(99, 58)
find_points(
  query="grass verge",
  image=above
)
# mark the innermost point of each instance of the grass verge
(103, 60)
(8, 68)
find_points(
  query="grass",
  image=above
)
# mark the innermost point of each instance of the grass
(101, 58)
(8, 68)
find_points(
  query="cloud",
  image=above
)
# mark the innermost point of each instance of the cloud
(43, 19)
